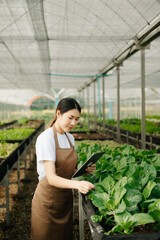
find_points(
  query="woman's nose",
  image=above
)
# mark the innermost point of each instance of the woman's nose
(73, 122)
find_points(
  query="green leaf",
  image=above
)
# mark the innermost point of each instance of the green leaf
(120, 208)
(142, 218)
(146, 203)
(147, 190)
(149, 170)
(132, 198)
(123, 217)
(100, 199)
(154, 210)
(108, 184)
(156, 160)
(122, 164)
(155, 191)
(96, 218)
(121, 183)
(117, 228)
(110, 204)
(118, 195)
(117, 175)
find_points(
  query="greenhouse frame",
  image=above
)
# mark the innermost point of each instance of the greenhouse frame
(105, 54)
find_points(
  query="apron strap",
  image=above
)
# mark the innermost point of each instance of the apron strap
(55, 137)
(69, 140)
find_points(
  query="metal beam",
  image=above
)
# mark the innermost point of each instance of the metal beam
(143, 127)
(118, 103)
(103, 91)
(88, 105)
(94, 94)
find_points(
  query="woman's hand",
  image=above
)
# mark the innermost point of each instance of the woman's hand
(84, 186)
(91, 169)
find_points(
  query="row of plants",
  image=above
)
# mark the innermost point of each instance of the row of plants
(134, 125)
(127, 187)
(47, 117)
(5, 122)
(7, 148)
(81, 128)
(15, 134)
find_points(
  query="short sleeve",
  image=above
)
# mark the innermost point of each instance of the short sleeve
(45, 148)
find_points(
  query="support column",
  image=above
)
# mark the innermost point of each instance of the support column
(118, 103)
(94, 94)
(103, 90)
(83, 107)
(143, 127)
(88, 105)
(99, 98)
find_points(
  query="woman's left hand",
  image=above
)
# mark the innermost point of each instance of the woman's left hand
(91, 169)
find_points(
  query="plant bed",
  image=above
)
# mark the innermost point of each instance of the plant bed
(127, 189)
(7, 148)
(4, 125)
(91, 131)
(27, 123)
(91, 136)
(144, 232)
(8, 162)
(15, 134)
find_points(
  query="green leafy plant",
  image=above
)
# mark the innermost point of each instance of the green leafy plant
(7, 148)
(127, 184)
(16, 134)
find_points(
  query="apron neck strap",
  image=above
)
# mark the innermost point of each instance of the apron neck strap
(56, 139)
(68, 140)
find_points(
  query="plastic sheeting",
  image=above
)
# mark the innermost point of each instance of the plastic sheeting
(43, 43)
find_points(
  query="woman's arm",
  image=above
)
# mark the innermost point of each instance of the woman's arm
(60, 182)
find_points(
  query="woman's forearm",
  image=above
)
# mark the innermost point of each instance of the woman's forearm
(61, 182)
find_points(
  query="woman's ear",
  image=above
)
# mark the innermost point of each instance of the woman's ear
(58, 113)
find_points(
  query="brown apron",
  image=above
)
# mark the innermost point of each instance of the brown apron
(52, 207)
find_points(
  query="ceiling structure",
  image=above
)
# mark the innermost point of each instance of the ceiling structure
(53, 48)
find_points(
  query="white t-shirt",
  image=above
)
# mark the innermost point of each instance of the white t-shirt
(45, 148)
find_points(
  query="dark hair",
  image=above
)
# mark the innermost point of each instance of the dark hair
(65, 105)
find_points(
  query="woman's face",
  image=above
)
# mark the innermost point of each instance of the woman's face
(68, 120)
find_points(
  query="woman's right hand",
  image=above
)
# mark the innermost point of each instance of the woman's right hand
(84, 186)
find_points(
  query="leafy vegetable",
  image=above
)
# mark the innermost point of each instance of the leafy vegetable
(16, 134)
(7, 148)
(127, 188)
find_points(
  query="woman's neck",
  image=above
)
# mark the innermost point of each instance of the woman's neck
(58, 128)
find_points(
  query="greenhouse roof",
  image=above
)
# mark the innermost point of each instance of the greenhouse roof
(55, 48)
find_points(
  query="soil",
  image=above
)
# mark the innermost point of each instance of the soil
(89, 136)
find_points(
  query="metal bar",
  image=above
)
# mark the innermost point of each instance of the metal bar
(118, 103)
(25, 161)
(99, 97)
(18, 172)
(94, 94)
(81, 219)
(143, 127)
(150, 27)
(88, 106)
(103, 90)
(7, 196)
(83, 106)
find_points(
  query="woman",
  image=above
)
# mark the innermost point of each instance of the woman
(52, 204)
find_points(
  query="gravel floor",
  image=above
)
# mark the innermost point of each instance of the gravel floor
(20, 208)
